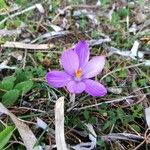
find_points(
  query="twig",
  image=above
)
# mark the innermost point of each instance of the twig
(108, 102)
(146, 139)
(100, 41)
(19, 13)
(72, 99)
(33, 109)
(50, 35)
(138, 102)
(119, 69)
(122, 136)
(24, 60)
(26, 46)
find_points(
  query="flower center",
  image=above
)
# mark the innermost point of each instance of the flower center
(78, 73)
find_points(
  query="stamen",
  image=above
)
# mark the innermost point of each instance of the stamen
(78, 73)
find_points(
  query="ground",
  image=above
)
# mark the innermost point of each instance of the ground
(117, 29)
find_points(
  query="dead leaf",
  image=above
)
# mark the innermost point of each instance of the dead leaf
(115, 90)
(4, 65)
(5, 32)
(40, 8)
(17, 55)
(147, 116)
(88, 145)
(59, 124)
(46, 62)
(41, 124)
(27, 135)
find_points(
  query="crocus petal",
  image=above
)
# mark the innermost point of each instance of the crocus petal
(75, 87)
(82, 50)
(94, 88)
(94, 67)
(57, 78)
(70, 61)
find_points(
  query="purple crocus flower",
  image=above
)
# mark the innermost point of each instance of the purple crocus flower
(78, 70)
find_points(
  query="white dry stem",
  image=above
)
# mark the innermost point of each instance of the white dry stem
(100, 41)
(109, 102)
(26, 46)
(119, 69)
(59, 124)
(72, 99)
(127, 21)
(50, 35)
(122, 136)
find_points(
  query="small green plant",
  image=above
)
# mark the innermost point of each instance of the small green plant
(5, 135)
(118, 116)
(83, 23)
(12, 87)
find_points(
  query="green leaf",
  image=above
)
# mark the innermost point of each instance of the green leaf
(136, 127)
(123, 12)
(134, 84)
(121, 115)
(141, 2)
(23, 76)
(115, 18)
(7, 83)
(3, 4)
(25, 86)
(21, 2)
(104, 2)
(86, 114)
(10, 97)
(123, 73)
(93, 120)
(143, 82)
(5, 136)
(107, 125)
(40, 56)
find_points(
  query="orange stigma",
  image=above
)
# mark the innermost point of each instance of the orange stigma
(78, 73)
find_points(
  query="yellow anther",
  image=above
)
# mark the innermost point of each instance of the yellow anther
(78, 73)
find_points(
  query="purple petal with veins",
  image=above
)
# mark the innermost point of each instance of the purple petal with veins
(82, 50)
(76, 87)
(58, 78)
(94, 67)
(94, 88)
(70, 61)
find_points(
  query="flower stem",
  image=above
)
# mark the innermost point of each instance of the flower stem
(72, 99)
